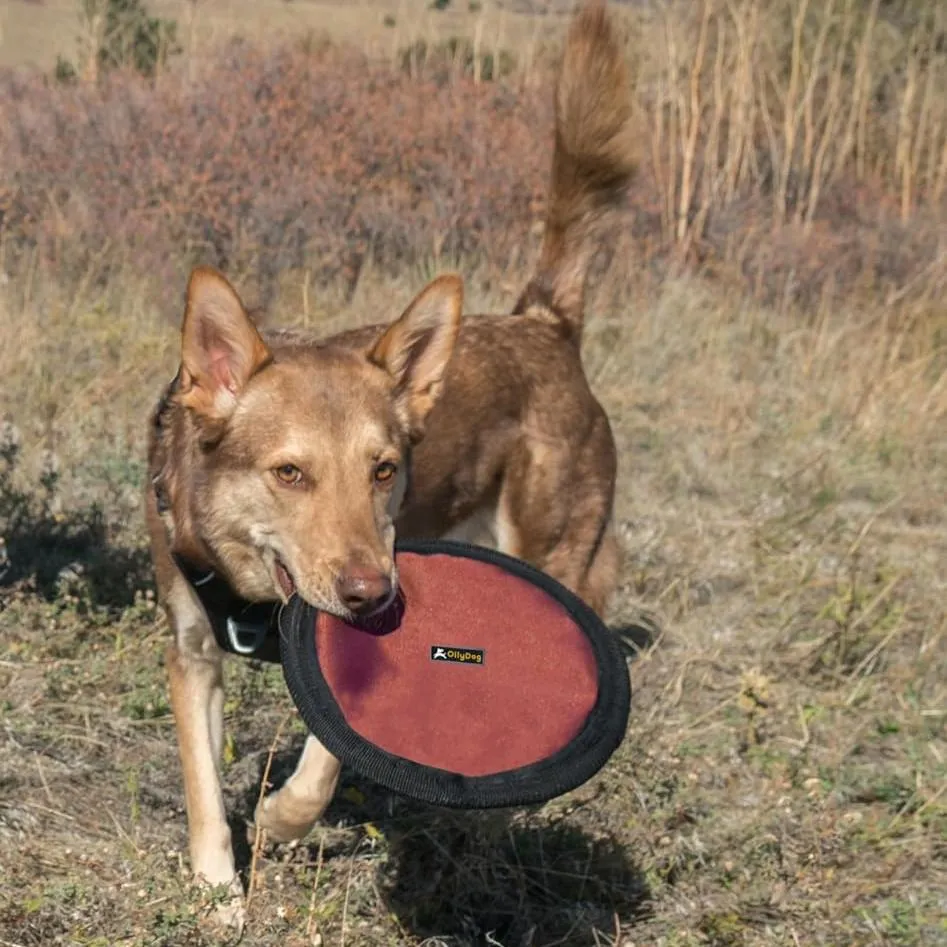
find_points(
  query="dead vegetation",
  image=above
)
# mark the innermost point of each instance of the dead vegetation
(770, 344)
(795, 150)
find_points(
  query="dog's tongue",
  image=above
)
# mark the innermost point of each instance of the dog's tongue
(285, 579)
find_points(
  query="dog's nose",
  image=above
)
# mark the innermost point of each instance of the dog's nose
(363, 588)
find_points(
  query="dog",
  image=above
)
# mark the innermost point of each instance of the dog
(281, 464)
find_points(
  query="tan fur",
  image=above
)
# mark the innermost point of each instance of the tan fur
(273, 449)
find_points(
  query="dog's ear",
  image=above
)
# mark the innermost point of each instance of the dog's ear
(416, 349)
(221, 349)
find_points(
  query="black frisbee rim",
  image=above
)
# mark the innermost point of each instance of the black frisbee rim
(568, 768)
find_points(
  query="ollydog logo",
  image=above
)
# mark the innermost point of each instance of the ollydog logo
(457, 655)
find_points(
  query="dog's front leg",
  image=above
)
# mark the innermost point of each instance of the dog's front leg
(290, 813)
(195, 678)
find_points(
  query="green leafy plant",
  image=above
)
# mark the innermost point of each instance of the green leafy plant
(120, 34)
(132, 37)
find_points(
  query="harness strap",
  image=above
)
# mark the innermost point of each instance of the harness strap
(246, 629)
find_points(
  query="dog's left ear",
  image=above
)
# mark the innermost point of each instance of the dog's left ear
(416, 349)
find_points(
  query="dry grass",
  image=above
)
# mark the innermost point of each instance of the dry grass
(35, 32)
(781, 500)
(802, 145)
(783, 776)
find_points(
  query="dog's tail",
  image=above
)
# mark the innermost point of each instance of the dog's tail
(592, 165)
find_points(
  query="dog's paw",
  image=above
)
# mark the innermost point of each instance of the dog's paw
(281, 819)
(229, 920)
(225, 913)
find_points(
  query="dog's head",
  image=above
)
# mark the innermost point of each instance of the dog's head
(301, 454)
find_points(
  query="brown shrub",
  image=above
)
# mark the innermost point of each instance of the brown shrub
(313, 157)
(267, 161)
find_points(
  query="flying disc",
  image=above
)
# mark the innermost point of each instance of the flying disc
(485, 684)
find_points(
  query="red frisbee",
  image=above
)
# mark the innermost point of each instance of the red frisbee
(485, 684)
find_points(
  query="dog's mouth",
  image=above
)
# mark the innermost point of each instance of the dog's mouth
(284, 579)
(287, 586)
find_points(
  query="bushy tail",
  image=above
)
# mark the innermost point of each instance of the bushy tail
(593, 162)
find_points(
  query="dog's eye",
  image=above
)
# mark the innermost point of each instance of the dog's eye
(385, 472)
(289, 474)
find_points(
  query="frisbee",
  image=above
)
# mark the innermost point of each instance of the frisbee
(485, 684)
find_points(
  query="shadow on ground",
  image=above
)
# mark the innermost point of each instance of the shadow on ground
(637, 636)
(74, 554)
(516, 877)
(60, 554)
(470, 878)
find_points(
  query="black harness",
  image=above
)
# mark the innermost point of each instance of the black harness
(246, 629)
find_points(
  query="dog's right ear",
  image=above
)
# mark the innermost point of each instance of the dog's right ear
(221, 349)
(416, 348)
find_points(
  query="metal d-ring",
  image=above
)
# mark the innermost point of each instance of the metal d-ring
(239, 631)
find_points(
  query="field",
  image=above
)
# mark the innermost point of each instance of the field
(768, 333)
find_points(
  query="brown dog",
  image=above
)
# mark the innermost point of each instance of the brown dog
(282, 465)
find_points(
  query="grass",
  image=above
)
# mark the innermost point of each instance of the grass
(783, 776)
(781, 502)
